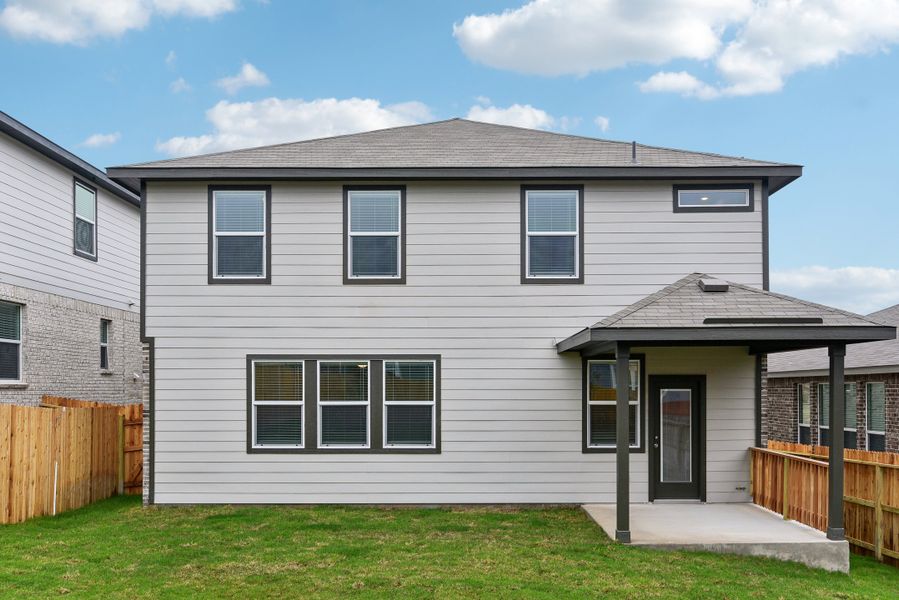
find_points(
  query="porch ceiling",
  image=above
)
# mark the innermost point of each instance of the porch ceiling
(699, 310)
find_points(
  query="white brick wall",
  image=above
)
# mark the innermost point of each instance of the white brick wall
(61, 349)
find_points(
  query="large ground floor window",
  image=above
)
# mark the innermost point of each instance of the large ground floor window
(352, 403)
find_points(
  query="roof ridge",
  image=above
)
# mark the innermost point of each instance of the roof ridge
(292, 143)
(650, 299)
(845, 313)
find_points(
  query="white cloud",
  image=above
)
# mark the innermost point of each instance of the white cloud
(679, 83)
(556, 37)
(79, 21)
(171, 58)
(276, 120)
(249, 76)
(602, 122)
(179, 85)
(98, 140)
(519, 115)
(754, 45)
(858, 289)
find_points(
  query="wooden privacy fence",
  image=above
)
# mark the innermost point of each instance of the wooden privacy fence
(791, 479)
(55, 458)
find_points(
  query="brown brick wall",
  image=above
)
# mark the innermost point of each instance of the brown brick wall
(780, 408)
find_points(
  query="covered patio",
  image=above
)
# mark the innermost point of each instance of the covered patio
(687, 320)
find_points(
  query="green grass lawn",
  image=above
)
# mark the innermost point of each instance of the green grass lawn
(116, 549)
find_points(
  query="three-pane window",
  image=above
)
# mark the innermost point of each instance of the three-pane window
(85, 220)
(10, 342)
(343, 404)
(104, 343)
(409, 404)
(552, 234)
(601, 403)
(277, 404)
(239, 234)
(374, 234)
(876, 396)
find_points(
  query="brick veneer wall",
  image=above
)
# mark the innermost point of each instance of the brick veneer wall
(61, 350)
(780, 408)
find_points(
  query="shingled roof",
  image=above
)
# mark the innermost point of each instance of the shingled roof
(701, 309)
(880, 356)
(458, 146)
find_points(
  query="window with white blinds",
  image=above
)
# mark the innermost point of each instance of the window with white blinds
(850, 439)
(803, 395)
(409, 404)
(343, 404)
(277, 404)
(552, 234)
(876, 397)
(374, 234)
(239, 234)
(85, 242)
(10, 342)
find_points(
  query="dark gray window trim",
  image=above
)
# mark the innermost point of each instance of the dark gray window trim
(76, 181)
(347, 280)
(677, 188)
(310, 403)
(586, 448)
(766, 262)
(210, 241)
(525, 188)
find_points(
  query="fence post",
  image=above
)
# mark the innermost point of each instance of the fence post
(120, 488)
(878, 512)
(786, 502)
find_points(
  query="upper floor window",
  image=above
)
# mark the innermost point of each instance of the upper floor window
(10, 342)
(105, 325)
(374, 244)
(876, 393)
(714, 198)
(552, 243)
(240, 236)
(85, 243)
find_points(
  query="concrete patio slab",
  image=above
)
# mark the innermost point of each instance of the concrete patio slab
(726, 528)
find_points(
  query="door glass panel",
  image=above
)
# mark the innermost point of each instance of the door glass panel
(676, 436)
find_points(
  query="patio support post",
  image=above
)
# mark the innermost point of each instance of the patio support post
(622, 442)
(835, 531)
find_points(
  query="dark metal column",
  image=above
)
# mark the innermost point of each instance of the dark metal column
(835, 529)
(622, 442)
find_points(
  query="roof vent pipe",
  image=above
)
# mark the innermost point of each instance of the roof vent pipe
(634, 152)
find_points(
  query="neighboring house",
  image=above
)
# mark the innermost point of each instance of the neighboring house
(797, 394)
(69, 275)
(443, 313)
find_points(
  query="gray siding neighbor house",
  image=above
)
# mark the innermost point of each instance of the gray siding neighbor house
(69, 275)
(460, 312)
(796, 408)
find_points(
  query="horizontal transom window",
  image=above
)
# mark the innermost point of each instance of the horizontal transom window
(711, 198)
(343, 404)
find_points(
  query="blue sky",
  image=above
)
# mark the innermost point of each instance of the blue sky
(764, 82)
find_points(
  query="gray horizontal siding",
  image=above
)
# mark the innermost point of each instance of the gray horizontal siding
(511, 416)
(36, 225)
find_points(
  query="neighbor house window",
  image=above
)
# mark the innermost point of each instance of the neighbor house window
(876, 396)
(409, 404)
(104, 343)
(277, 403)
(803, 391)
(10, 342)
(85, 220)
(552, 246)
(849, 415)
(714, 198)
(601, 403)
(374, 235)
(239, 234)
(343, 404)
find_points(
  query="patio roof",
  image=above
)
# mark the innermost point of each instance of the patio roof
(701, 310)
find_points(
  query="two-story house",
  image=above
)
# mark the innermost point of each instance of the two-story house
(69, 275)
(461, 312)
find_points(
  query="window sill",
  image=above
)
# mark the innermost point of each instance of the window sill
(106, 372)
(21, 385)
(261, 450)
(85, 255)
(552, 280)
(374, 281)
